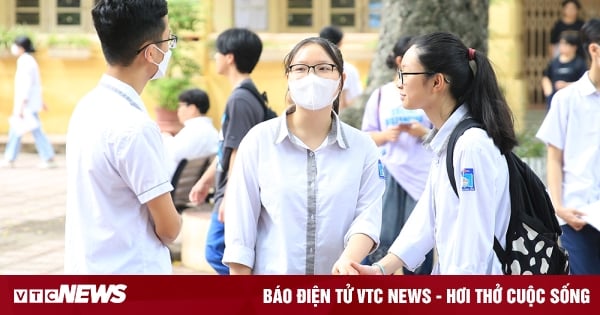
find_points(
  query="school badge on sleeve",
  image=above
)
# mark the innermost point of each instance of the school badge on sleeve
(467, 179)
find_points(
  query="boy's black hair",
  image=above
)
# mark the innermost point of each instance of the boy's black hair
(571, 37)
(123, 26)
(245, 46)
(195, 97)
(590, 34)
(575, 2)
(332, 33)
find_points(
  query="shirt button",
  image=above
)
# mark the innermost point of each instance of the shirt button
(311, 154)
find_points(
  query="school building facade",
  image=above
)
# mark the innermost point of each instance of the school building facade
(518, 37)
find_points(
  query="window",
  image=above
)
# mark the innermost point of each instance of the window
(28, 12)
(352, 15)
(55, 15)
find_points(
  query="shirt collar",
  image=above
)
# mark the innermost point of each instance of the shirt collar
(124, 90)
(437, 141)
(586, 87)
(336, 133)
(198, 120)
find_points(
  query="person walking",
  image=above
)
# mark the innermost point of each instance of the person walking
(27, 104)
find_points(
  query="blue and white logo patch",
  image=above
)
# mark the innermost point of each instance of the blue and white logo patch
(380, 169)
(467, 179)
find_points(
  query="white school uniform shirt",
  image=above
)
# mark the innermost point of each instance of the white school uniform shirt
(291, 210)
(572, 126)
(28, 85)
(462, 231)
(197, 139)
(352, 85)
(115, 165)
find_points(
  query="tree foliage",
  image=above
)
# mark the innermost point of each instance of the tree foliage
(468, 19)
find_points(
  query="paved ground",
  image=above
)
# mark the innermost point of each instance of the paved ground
(32, 216)
(32, 211)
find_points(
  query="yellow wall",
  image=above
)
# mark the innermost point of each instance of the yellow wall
(505, 51)
(65, 81)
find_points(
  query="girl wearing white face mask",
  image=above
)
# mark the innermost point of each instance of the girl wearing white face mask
(305, 193)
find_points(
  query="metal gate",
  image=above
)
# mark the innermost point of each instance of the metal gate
(538, 18)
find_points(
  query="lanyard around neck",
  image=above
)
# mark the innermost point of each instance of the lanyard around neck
(120, 93)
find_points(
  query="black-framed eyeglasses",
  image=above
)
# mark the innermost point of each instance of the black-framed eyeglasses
(402, 74)
(320, 69)
(172, 43)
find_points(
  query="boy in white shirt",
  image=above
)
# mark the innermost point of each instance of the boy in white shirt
(198, 138)
(572, 134)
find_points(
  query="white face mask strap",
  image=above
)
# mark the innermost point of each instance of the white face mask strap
(146, 53)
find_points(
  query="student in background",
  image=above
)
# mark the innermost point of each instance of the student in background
(565, 68)
(352, 85)
(305, 191)
(120, 215)
(238, 52)
(572, 134)
(569, 21)
(399, 133)
(198, 138)
(451, 82)
(26, 107)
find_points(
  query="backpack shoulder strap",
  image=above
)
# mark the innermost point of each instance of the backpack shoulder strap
(456, 133)
(262, 99)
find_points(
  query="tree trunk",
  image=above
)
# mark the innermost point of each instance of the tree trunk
(468, 19)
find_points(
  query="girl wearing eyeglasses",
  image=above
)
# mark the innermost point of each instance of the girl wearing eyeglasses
(451, 82)
(305, 191)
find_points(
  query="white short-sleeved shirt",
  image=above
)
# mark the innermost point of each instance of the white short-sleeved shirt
(312, 201)
(28, 84)
(461, 229)
(352, 85)
(115, 165)
(197, 139)
(572, 126)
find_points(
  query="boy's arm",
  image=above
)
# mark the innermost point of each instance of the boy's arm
(555, 183)
(221, 216)
(167, 221)
(202, 187)
(546, 86)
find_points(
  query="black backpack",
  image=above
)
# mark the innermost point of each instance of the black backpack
(262, 99)
(533, 231)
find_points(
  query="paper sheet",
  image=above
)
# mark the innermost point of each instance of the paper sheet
(23, 125)
(592, 212)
